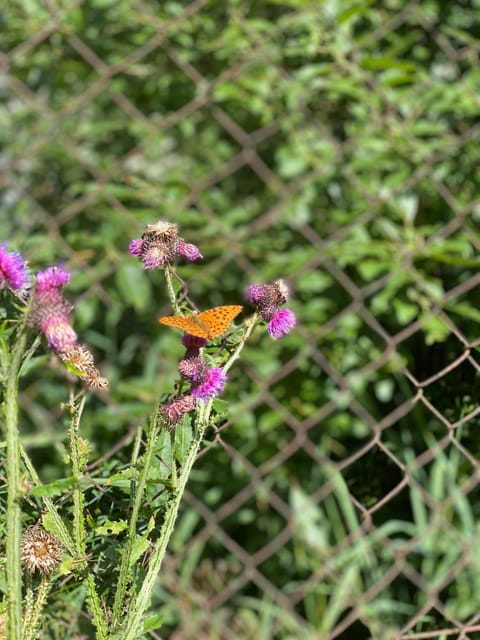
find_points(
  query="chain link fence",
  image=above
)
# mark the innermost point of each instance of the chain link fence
(334, 144)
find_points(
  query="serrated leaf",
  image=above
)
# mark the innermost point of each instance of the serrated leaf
(56, 488)
(120, 478)
(139, 547)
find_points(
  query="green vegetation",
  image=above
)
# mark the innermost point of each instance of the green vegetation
(331, 143)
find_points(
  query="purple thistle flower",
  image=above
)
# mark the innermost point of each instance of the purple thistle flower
(160, 244)
(135, 247)
(173, 412)
(281, 323)
(14, 273)
(255, 293)
(188, 251)
(49, 311)
(59, 334)
(156, 256)
(192, 367)
(268, 298)
(51, 278)
(212, 384)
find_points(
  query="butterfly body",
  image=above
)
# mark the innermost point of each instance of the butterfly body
(208, 324)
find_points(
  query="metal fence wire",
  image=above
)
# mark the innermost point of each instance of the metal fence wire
(334, 144)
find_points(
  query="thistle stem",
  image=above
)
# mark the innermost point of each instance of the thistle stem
(138, 491)
(13, 516)
(170, 289)
(32, 617)
(78, 464)
(78, 523)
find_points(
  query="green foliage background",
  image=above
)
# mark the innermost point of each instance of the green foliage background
(334, 144)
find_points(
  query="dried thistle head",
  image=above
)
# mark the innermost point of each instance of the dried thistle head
(160, 244)
(96, 382)
(81, 362)
(40, 550)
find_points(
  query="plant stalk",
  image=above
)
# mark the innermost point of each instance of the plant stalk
(133, 627)
(32, 617)
(13, 559)
(170, 289)
(125, 565)
(93, 601)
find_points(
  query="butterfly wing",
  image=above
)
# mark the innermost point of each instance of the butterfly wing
(217, 320)
(189, 325)
(208, 324)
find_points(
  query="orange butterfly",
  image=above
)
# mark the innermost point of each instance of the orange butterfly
(208, 324)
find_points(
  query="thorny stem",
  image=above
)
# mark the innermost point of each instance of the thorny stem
(138, 606)
(93, 600)
(13, 561)
(32, 616)
(78, 523)
(61, 531)
(170, 289)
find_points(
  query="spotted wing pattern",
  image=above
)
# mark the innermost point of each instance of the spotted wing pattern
(208, 324)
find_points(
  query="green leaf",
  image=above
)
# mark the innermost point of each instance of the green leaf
(435, 328)
(183, 440)
(120, 478)
(153, 622)
(111, 528)
(141, 543)
(56, 488)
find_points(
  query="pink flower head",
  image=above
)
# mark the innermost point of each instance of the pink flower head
(174, 411)
(59, 334)
(160, 244)
(135, 247)
(211, 385)
(49, 311)
(51, 278)
(281, 323)
(268, 298)
(14, 273)
(188, 251)
(255, 293)
(192, 367)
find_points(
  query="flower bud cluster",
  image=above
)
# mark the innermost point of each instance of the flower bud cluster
(268, 298)
(205, 382)
(50, 314)
(160, 244)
